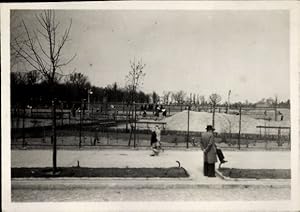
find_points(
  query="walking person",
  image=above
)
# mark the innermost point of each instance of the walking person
(96, 137)
(155, 141)
(158, 136)
(209, 152)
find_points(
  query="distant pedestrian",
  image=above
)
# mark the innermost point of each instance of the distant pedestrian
(144, 113)
(157, 111)
(281, 115)
(194, 142)
(73, 110)
(209, 152)
(155, 141)
(96, 137)
(164, 112)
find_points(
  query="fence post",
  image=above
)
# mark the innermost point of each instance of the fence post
(240, 122)
(275, 110)
(80, 122)
(260, 132)
(18, 116)
(134, 135)
(117, 137)
(92, 114)
(54, 133)
(188, 128)
(127, 119)
(23, 126)
(44, 135)
(278, 139)
(265, 137)
(289, 138)
(62, 113)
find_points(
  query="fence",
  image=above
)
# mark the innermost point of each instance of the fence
(98, 125)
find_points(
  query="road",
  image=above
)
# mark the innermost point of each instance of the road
(138, 194)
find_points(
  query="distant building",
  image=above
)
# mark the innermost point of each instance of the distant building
(262, 104)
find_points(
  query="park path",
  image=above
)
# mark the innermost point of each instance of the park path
(191, 160)
(195, 188)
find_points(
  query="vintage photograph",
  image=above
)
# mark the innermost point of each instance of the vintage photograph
(112, 105)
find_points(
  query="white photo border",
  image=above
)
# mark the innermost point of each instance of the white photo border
(293, 204)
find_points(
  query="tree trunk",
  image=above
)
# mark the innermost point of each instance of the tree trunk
(54, 134)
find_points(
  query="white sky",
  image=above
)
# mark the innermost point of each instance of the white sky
(196, 51)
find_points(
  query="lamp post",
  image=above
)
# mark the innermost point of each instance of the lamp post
(90, 92)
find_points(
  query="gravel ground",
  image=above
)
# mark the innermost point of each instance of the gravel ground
(223, 123)
(117, 194)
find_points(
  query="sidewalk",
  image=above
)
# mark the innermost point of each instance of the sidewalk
(191, 160)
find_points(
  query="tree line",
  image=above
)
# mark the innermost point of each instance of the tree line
(31, 89)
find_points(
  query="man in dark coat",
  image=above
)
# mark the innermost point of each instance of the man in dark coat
(209, 151)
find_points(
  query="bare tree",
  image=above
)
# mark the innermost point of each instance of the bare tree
(41, 48)
(155, 97)
(135, 77)
(133, 82)
(16, 34)
(194, 98)
(179, 96)
(32, 77)
(17, 78)
(202, 100)
(166, 96)
(270, 101)
(214, 100)
(78, 79)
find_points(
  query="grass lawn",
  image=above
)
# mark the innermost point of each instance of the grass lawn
(172, 172)
(256, 173)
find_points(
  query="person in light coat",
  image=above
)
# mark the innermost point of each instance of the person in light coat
(209, 152)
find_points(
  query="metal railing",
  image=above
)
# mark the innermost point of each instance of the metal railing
(124, 125)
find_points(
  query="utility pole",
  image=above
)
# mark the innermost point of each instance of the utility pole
(90, 92)
(240, 122)
(228, 102)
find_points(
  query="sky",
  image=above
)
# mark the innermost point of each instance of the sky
(200, 52)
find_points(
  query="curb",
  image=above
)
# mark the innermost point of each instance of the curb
(245, 179)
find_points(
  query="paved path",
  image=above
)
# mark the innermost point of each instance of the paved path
(191, 160)
(150, 194)
(195, 188)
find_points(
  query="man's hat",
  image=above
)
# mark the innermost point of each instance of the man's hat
(210, 127)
